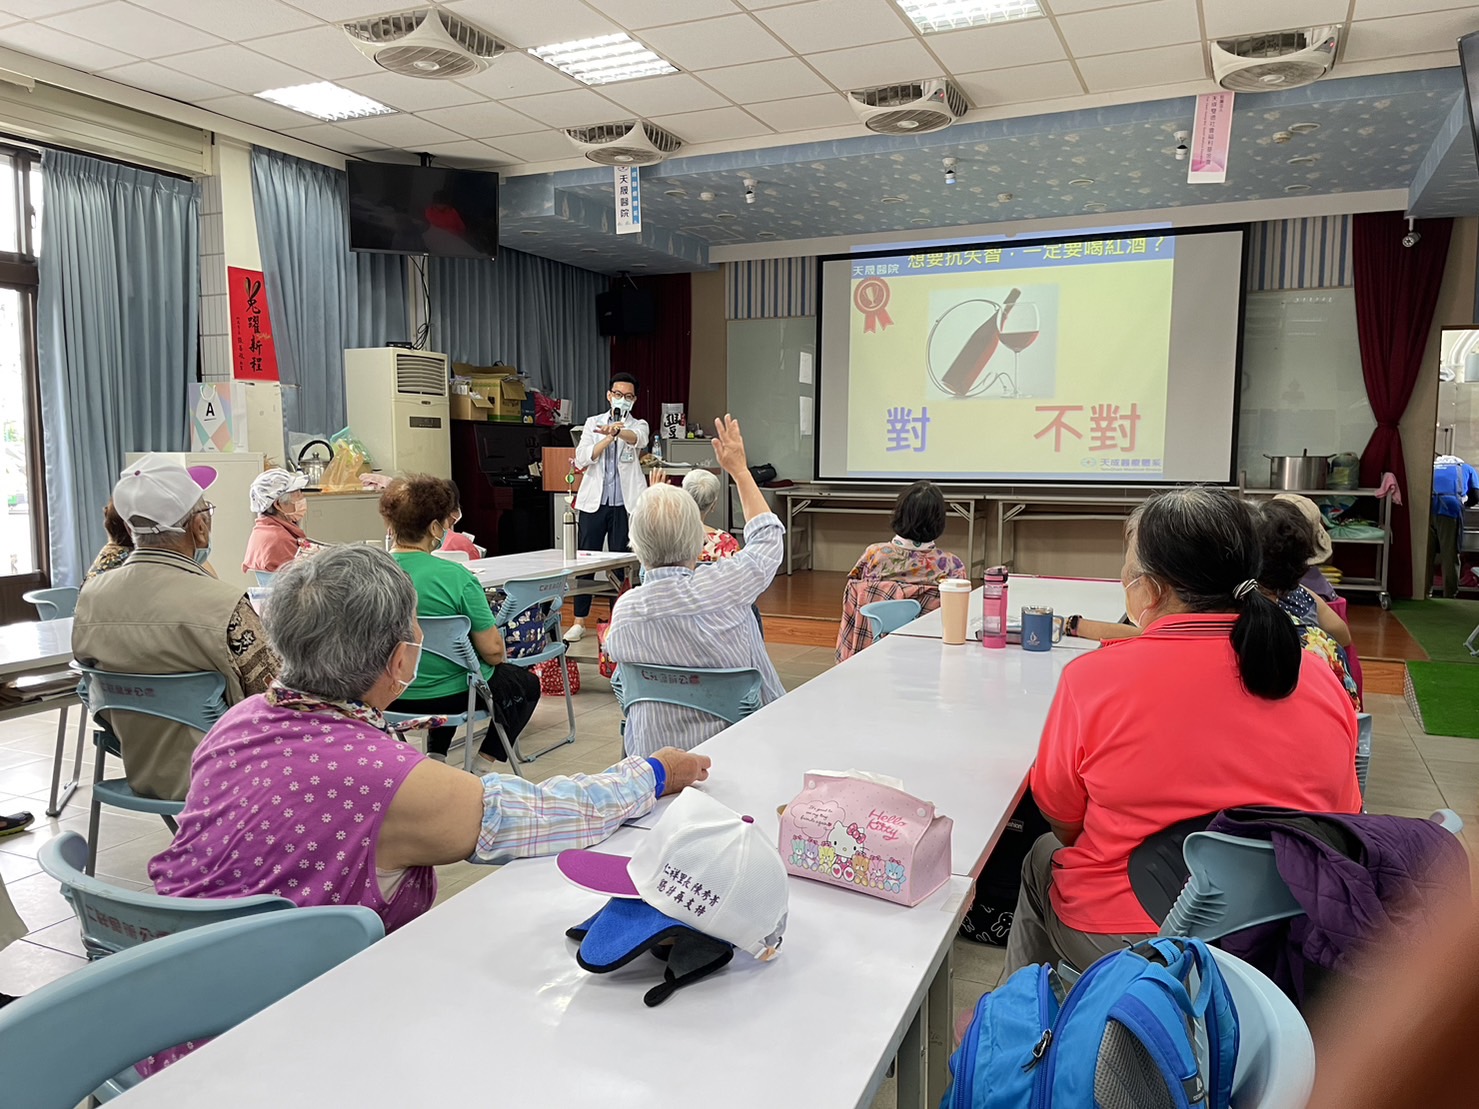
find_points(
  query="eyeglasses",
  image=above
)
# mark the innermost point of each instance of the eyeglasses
(208, 508)
(624, 396)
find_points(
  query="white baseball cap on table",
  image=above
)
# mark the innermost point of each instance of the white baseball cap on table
(702, 866)
(155, 494)
(270, 486)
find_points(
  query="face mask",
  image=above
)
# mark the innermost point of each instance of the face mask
(1138, 621)
(202, 555)
(416, 667)
(622, 404)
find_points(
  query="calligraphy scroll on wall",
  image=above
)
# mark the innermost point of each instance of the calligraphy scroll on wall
(253, 356)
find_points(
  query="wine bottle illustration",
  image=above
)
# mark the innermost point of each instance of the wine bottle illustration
(971, 361)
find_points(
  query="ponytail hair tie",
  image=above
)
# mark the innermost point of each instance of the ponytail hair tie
(1243, 590)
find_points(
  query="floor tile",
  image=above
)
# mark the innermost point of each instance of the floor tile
(26, 966)
(64, 935)
(39, 901)
(978, 963)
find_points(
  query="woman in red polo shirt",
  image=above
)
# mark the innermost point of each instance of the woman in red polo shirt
(1213, 705)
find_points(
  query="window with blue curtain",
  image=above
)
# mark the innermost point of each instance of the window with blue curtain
(532, 313)
(323, 297)
(117, 325)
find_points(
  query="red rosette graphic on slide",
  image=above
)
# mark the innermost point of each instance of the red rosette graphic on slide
(871, 299)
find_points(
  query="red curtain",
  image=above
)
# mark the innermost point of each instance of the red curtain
(1396, 293)
(659, 361)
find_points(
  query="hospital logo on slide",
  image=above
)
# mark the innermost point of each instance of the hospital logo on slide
(871, 299)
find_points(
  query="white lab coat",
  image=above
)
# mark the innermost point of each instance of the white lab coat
(628, 468)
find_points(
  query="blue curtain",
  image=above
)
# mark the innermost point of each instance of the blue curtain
(322, 297)
(117, 327)
(532, 313)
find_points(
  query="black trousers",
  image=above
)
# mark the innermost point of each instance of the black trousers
(515, 693)
(1443, 541)
(607, 524)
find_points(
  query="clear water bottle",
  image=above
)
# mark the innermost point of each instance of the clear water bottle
(994, 608)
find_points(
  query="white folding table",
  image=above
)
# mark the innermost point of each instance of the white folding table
(1095, 598)
(500, 569)
(31, 647)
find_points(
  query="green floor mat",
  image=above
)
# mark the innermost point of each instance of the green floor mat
(1440, 626)
(1447, 697)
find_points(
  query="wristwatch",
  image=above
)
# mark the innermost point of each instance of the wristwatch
(1070, 626)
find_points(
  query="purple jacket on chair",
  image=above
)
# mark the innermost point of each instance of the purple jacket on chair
(1360, 878)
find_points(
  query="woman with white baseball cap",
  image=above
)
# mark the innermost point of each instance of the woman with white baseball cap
(277, 537)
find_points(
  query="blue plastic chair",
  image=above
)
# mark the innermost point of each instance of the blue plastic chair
(519, 597)
(1275, 1067)
(885, 617)
(114, 919)
(448, 637)
(1364, 730)
(264, 577)
(196, 700)
(58, 604)
(61, 1042)
(730, 695)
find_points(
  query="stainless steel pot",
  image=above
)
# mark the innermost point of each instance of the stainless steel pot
(313, 468)
(1298, 471)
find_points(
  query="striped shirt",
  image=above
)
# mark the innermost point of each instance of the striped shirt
(682, 617)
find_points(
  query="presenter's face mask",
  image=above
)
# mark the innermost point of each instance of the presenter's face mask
(622, 402)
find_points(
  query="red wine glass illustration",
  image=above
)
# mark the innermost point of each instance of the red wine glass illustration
(1019, 326)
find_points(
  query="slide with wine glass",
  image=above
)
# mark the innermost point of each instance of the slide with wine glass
(1041, 360)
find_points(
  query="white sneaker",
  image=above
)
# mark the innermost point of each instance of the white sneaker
(574, 632)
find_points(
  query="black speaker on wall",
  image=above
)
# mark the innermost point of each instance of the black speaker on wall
(626, 311)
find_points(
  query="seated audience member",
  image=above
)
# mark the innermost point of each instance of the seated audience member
(417, 509)
(380, 814)
(277, 536)
(679, 618)
(1214, 705)
(161, 613)
(452, 539)
(116, 550)
(704, 488)
(1288, 546)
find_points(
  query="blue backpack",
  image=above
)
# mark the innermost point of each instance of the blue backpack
(1150, 1027)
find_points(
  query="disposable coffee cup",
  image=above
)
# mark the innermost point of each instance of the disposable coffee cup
(955, 596)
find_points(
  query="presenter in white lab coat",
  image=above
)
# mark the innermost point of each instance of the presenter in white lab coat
(609, 458)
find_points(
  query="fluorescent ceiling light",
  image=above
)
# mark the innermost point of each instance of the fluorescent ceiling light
(599, 61)
(323, 100)
(952, 15)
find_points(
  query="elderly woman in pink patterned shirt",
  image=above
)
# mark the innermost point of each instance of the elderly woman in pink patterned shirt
(301, 792)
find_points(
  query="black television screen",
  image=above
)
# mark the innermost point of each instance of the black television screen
(451, 213)
(1468, 56)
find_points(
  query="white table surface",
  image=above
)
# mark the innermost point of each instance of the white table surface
(959, 725)
(35, 645)
(493, 572)
(1095, 598)
(481, 1002)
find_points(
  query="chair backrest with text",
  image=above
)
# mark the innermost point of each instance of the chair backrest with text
(730, 695)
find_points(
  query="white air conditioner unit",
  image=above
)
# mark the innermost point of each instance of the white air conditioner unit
(909, 109)
(427, 42)
(398, 407)
(633, 142)
(1277, 60)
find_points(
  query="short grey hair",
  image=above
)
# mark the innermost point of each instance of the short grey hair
(335, 618)
(666, 529)
(703, 487)
(165, 540)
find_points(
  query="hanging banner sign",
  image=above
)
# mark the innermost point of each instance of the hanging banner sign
(628, 200)
(1211, 133)
(253, 356)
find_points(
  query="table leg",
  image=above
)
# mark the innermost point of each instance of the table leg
(941, 1029)
(61, 795)
(910, 1079)
(970, 539)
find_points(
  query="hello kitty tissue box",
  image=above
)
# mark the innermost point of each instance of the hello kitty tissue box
(864, 832)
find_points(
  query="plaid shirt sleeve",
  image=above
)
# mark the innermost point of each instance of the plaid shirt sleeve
(523, 818)
(855, 633)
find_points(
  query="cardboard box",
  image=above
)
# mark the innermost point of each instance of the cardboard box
(490, 397)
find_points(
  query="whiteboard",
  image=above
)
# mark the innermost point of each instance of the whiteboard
(1301, 386)
(767, 361)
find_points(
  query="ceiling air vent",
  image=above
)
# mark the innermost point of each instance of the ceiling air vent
(909, 109)
(630, 143)
(1277, 60)
(427, 43)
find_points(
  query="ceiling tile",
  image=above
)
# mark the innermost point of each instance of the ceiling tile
(1164, 65)
(406, 132)
(323, 51)
(55, 46)
(655, 95)
(155, 78)
(758, 5)
(637, 14)
(806, 112)
(337, 11)
(1408, 34)
(238, 68)
(760, 81)
(534, 24)
(715, 125)
(575, 108)
(1116, 30)
(833, 24)
(544, 146)
(1020, 42)
(411, 94)
(333, 137)
(253, 109)
(1048, 81)
(518, 74)
(1380, 9)
(138, 32)
(1065, 7)
(1226, 18)
(36, 9)
(466, 153)
(710, 42)
(866, 66)
(482, 121)
(227, 18)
